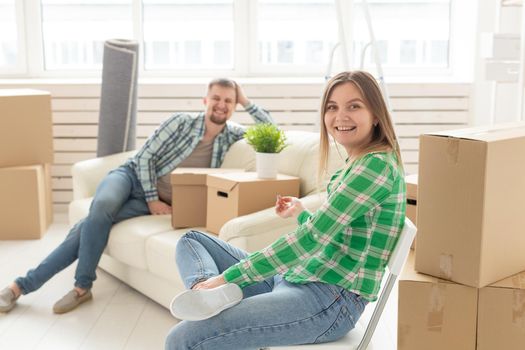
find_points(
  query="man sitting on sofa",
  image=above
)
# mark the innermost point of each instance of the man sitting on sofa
(139, 187)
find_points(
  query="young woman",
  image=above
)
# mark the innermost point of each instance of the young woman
(311, 285)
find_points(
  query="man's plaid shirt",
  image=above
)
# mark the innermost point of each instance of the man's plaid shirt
(177, 138)
(348, 241)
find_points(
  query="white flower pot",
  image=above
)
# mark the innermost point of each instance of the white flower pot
(266, 165)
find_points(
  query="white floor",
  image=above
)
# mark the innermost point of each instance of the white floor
(117, 318)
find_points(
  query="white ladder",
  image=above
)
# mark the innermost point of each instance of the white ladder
(342, 44)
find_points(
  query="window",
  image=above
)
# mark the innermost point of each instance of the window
(400, 44)
(9, 44)
(236, 37)
(74, 31)
(203, 29)
(295, 34)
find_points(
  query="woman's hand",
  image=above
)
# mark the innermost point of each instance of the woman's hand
(158, 208)
(212, 282)
(287, 206)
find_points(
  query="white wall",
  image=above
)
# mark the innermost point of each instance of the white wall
(494, 102)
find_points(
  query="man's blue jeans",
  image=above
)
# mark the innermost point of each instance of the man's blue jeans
(118, 197)
(273, 312)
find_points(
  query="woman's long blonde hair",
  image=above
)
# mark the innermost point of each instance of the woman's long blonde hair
(384, 137)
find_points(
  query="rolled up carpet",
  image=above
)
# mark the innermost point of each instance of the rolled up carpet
(118, 98)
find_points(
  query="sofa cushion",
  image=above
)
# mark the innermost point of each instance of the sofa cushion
(78, 209)
(160, 254)
(127, 239)
(240, 155)
(300, 159)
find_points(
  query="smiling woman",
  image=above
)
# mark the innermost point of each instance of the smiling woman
(331, 264)
(348, 118)
(354, 113)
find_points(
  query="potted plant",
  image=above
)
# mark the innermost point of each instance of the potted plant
(267, 140)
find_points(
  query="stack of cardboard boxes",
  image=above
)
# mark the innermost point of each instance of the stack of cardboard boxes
(469, 289)
(26, 154)
(210, 197)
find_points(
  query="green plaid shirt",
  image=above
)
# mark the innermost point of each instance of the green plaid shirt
(348, 241)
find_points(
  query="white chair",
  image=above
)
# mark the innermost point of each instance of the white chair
(354, 339)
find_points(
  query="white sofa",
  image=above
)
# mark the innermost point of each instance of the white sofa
(141, 250)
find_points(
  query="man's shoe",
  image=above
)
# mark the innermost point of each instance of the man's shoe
(195, 305)
(7, 299)
(70, 301)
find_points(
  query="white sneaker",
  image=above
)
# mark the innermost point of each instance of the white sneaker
(195, 305)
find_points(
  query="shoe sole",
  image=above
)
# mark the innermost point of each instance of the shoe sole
(196, 305)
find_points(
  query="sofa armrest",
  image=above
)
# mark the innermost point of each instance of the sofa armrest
(87, 174)
(255, 231)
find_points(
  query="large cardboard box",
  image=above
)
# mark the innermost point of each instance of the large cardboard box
(189, 195)
(501, 315)
(470, 218)
(236, 194)
(435, 314)
(24, 203)
(25, 127)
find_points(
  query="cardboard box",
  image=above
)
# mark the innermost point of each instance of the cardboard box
(236, 194)
(501, 314)
(411, 208)
(470, 204)
(435, 314)
(24, 204)
(189, 195)
(25, 127)
(48, 194)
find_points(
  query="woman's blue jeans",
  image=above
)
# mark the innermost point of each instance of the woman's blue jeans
(118, 197)
(273, 312)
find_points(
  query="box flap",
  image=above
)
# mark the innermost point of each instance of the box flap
(222, 181)
(410, 274)
(228, 181)
(188, 179)
(196, 176)
(22, 92)
(485, 133)
(22, 167)
(516, 281)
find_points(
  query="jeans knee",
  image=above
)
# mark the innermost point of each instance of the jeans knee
(177, 338)
(103, 208)
(193, 234)
(186, 239)
(171, 340)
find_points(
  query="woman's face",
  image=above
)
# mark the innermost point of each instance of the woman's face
(347, 118)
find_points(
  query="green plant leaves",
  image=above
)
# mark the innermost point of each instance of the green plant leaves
(266, 138)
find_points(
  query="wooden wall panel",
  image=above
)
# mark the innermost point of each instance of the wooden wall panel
(417, 108)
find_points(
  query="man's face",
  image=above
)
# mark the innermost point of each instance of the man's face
(220, 104)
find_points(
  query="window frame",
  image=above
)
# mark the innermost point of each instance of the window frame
(245, 62)
(21, 65)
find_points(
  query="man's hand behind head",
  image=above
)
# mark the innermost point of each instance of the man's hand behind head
(241, 97)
